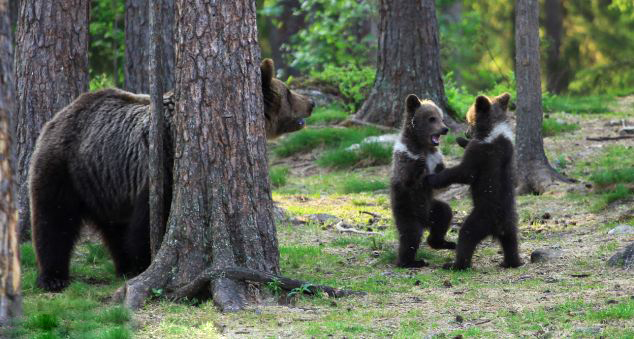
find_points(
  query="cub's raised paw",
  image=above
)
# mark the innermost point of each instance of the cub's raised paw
(462, 142)
(52, 284)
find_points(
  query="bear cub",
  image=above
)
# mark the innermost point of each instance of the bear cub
(487, 166)
(90, 166)
(415, 155)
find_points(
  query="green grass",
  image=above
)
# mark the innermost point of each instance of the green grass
(355, 185)
(577, 104)
(327, 115)
(311, 138)
(278, 176)
(368, 154)
(620, 311)
(552, 127)
(79, 311)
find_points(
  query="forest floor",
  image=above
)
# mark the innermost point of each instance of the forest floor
(573, 295)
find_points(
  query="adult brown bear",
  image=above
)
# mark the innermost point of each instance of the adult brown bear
(90, 166)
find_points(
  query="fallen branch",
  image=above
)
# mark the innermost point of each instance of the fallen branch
(356, 122)
(376, 215)
(620, 137)
(201, 282)
(339, 227)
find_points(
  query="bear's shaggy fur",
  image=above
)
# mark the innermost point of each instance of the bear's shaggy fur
(90, 166)
(413, 205)
(487, 165)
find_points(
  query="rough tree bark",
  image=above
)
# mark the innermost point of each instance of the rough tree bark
(221, 214)
(10, 297)
(557, 74)
(157, 227)
(137, 37)
(408, 62)
(534, 173)
(51, 63)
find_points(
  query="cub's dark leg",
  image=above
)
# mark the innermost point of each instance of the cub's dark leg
(509, 243)
(55, 221)
(114, 237)
(472, 232)
(439, 220)
(410, 232)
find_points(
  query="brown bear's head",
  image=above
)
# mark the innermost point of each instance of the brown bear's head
(284, 110)
(423, 122)
(486, 114)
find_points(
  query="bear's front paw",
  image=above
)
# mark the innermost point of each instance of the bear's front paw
(514, 264)
(442, 245)
(413, 264)
(52, 284)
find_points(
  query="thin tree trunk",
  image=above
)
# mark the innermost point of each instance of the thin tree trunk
(408, 62)
(221, 214)
(10, 297)
(137, 37)
(157, 226)
(13, 12)
(115, 47)
(557, 74)
(534, 172)
(51, 63)
(290, 24)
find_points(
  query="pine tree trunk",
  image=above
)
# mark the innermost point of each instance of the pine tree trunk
(533, 170)
(408, 62)
(10, 297)
(157, 228)
(51, 70)
(290, 24)
(221, 214)
(557, 74)
(137, 45)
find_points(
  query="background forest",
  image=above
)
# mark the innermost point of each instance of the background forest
(330, 185)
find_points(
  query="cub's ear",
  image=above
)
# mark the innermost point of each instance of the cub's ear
(482, 105)
(268, 70)
(411, 103)
(504, 100)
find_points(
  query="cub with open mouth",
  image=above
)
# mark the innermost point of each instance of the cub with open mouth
(415, 155)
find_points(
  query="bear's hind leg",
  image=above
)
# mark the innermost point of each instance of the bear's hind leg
(510, 248)
(56, 222)
(114, 237)
(439, 220)
(138, 235)
(471, 233)
(410, 233)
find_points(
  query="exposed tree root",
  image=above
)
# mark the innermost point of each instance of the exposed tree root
(340, 227)
(356, 122)
(245, 274)
(539, 178)
(620, 137)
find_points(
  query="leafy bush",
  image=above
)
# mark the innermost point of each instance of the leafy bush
(101, 81)
(354, 185)
(326, 115)
(368, 154)
(278, 175)
(579, 104)
(353, 82)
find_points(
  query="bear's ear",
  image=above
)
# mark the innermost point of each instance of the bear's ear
(504, 100)
(482, 105)
(411, 103)
(268, 70)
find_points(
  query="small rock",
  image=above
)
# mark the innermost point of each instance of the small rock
(417, 283)
(623, 258)
(546, 216)
(333, 303)
(279, 214)
(621, 230)
(323, 218)
(589, 330)
(459, 319)
(459, 336)
(611, 302)
(447, 284)
(627, 130)
(545, 255)
(376, 254)
(320, 98)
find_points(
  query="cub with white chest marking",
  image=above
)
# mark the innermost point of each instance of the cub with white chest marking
(416, 154)
(487, 166)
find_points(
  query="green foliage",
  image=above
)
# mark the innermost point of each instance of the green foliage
(96, 254)
(107, 44)
(42, 321)
(353, 82)
(578, 104)
(274, 286)
(326, 115)
(552, 127)
(334, 35)
(458, 97)
(278, 175)
(308, 139)
(368, 154)
(355, 185)
(101, 81)
(621, 311)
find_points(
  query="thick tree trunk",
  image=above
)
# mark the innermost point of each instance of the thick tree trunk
(10, 297)
(137, 45)
(533, 170)
(290, 24)
(51, 70)
(157, 228)
(408, 62)
(557, 74)
(221, 214)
